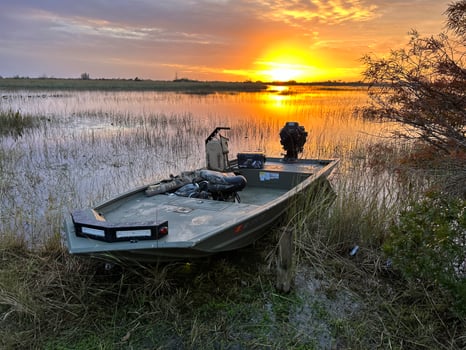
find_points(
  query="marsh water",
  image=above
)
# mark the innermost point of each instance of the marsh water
(90, 145)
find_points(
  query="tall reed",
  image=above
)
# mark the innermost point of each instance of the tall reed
(97, 144)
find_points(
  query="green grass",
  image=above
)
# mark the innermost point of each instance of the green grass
(195, 87)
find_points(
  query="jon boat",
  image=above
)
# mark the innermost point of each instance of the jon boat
(225, 206)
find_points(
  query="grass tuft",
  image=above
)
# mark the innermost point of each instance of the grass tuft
(16, 124)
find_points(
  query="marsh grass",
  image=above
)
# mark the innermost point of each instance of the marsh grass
(55, 301)
(16, 124)
(97, 144)
(193, 87)
(51, 300)
(392, 312)
(100, 144)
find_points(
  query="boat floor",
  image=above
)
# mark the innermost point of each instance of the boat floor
(189, 217)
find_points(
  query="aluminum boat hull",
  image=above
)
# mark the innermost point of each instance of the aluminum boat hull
(196, 227)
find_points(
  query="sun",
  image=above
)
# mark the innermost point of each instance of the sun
(282, 71)
(284, 64)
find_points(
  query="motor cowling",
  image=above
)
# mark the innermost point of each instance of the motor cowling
(293, 137)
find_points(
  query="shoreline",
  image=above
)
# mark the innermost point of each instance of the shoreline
(180, 85)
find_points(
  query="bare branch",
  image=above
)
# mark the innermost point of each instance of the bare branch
(423, 86)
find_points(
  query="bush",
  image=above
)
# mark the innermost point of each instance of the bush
(428, 244)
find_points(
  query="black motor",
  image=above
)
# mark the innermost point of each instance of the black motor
(293, 137)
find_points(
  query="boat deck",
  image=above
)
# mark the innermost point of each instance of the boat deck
(187, 217)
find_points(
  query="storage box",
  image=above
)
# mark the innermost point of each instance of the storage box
(254, 160)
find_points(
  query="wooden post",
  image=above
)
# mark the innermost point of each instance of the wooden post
(285, 261)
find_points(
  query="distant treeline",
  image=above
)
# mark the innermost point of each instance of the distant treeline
(181, 85)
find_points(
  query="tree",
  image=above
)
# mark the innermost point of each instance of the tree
(423, 86)
(456, 22)
(85, 76)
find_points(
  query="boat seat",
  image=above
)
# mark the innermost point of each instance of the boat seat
(220, 186)
(223, 181)
(223, 186)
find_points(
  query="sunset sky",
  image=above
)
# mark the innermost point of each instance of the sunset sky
(232, 40)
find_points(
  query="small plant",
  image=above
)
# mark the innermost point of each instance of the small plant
(14, 123)
(428, 244)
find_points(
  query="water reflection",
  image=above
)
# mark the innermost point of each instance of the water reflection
(277, 100)
(97, 144)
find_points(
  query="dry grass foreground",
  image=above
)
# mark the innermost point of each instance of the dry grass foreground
(51, 300)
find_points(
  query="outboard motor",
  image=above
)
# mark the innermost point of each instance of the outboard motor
(292, 137)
